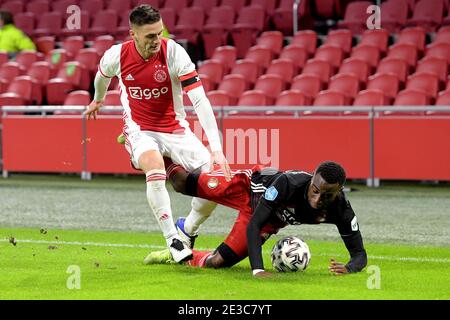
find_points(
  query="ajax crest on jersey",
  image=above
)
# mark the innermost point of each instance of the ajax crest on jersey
(160, 75)
(213, 183)
(290, 254)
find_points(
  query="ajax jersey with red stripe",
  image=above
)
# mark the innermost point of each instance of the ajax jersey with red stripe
(151, 91)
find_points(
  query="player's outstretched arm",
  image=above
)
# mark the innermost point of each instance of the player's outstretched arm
(101, 84)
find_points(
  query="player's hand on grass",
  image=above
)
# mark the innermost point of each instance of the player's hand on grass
(92, 109)
(262, 274)
(217, 157)
(337, 268)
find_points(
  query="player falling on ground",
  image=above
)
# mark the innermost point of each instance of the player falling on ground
(153, 72)
(268, 200)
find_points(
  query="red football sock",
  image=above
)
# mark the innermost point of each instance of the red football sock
(199, 258)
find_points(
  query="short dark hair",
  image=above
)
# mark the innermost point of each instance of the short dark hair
(144, 14)
(7, 17)
(332, 172)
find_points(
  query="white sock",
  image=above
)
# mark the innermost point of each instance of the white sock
(201, 210)
(159, 201)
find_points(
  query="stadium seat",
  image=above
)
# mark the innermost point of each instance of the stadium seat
(92, 6)
(3, 57)
(341, 38)
(213, 69)
(14, 7)
(105, 22)
(268, 5)
(367, 53)
(169, 17)
(297, 54)
(40, 73)
(309, 84)
(218, 98)
(440, 49)
(386, 82)
(326, 9)
(207, 5)
(56, 58)
(45, 44)
(249, 23)
(427, 14)
(207, 83)
(189, 24)
(247, 68)
(272, 40)
(355, 17)
(443, 98)
(282, 17)
(252, 98)
(394, 15)
(49, 24)
(405, 51)
(443, 35)
(357, 67)
(57, 90)
(424, 81)
(262, 56)
(103, 43)
(83, 30)
(332, 54)
(348, 84)
(376, 37)
(69, 77)
(227, 55)
(25, 21)
(318, 67)
(78, 98)
(22, 87)
(306, 39)
(112, 98)
(27, 57)
(283, 68)
(72, 45)
(177, 5)
(288, 98)
(216, 28)
(396, 66)
(233, 85)
(89, 58)
(327, 98)
(61, 6)
(370, 97)
(11, 99)
(407, 98)
(271, 85)
(413, 35)
(237, 5)
(435, 65)
(8, 71)
(120, 5)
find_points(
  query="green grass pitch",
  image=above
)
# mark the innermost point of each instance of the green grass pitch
(97, 233)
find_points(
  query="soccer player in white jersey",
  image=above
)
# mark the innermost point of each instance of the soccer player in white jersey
(153, 72)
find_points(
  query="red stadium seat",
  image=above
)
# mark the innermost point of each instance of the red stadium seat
(318, 67)
(237, 5)
(112, 98)
(227, 55)
(413, 35)
(49, 24)
(89, 58)
(3, 57)
(394, 15)
(215, 30)
(61, 5)
(367, 53)
(443, 35)
(105, 22)
(340, 38)
(250, 22)
(443, 98)
(307, 39)
(119, 5)
(348, 84)
(11, 99)
(56, 91)
(248, 69)
(22, 87)
(386, 82)
(427, 14)
(252, 98)
(326, 8)
(213, 69)
(440, 49)
(25, 21)
(92, 6)
(268, 5)
(271, 85)
(103, 43)
(405, 51)
(40, 73)
(356, 17)
(411, 97)
(272, 40)
(292, 98)
(72, 45)
(8, 71)
(27, 57)
(310, 85)
(370, 97)
(282, 67)
(14, 7)
(78, 98)
(233, 85)
(424, 81)
(207, 83)
(357, 67)
(283, 16)
(177, 5)
(262, 56)
(327, 98)
(207, 5)
(435, 65)
(69, 77)
(396, 66)
(297, 54)
(219, 98)
(169, 17)
(376, 37)
(190, 24)
(56, 58)
(37, 7)
(332, 54)
(45, 44)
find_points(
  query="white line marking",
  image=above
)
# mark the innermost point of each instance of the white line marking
(150, 246)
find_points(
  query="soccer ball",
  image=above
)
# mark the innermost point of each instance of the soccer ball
(290, 254)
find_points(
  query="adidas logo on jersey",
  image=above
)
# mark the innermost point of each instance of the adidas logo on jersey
(129, 77)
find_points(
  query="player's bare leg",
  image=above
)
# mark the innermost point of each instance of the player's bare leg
(151, 162)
